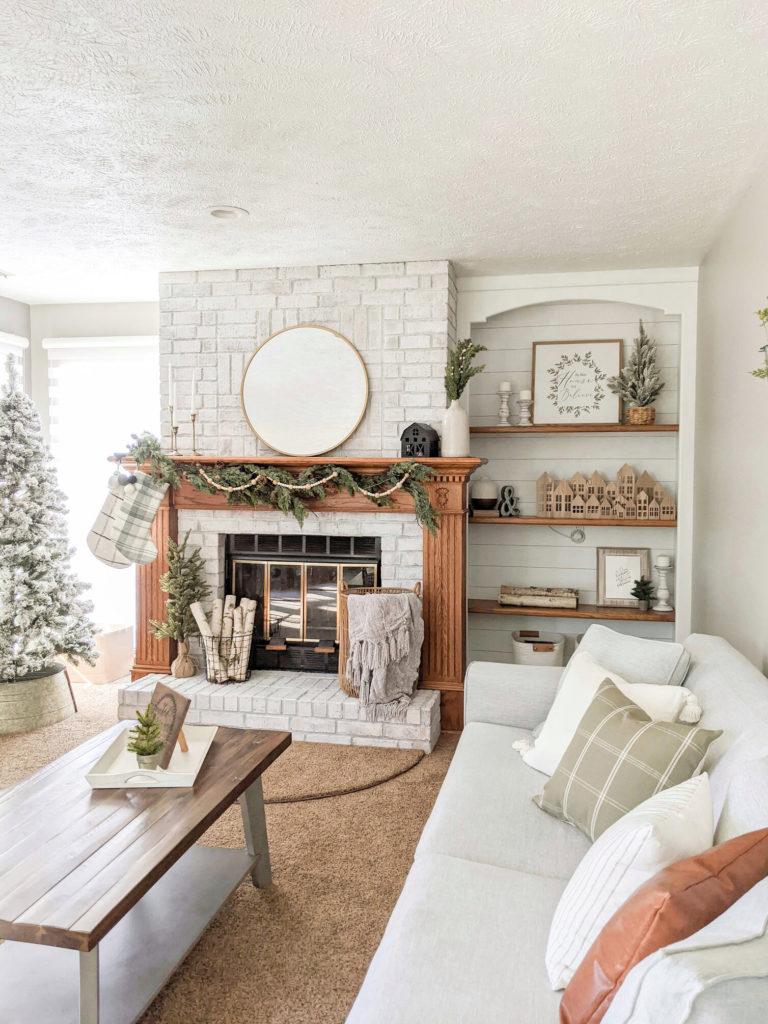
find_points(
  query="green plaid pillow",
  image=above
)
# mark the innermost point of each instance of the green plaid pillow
(617, 758)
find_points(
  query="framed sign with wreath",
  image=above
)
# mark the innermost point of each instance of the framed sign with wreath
(570, 382)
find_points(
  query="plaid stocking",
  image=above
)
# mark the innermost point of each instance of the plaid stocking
(134, 518)
(103, 536)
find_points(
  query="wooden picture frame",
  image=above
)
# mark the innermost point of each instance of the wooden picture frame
(171, 708)
(569, 382)
(617, 570)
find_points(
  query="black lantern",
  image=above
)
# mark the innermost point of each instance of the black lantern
(419, 441)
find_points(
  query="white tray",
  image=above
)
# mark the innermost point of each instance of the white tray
(117, 767)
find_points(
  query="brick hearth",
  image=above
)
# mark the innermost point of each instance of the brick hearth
(310, 706)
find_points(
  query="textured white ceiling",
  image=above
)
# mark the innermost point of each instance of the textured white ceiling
(520, 135)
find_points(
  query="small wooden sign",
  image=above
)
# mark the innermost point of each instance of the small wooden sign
(171, 708)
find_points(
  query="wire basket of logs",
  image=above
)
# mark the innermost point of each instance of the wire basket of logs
(227, 657)
(344, 592)
(226, 638)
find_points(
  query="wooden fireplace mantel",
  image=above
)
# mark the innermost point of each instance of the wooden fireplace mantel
(445, 561)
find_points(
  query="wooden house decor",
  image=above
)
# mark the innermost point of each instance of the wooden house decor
(629, 496)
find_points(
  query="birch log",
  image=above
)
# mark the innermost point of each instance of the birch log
(211, 648)
(249, 617)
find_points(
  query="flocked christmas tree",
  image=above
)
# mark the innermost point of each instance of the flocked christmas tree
(639, 383)
(42, 612)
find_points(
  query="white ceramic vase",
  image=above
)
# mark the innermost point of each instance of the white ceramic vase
(455, 440)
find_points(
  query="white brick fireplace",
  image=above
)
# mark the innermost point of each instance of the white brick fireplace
(401, 317)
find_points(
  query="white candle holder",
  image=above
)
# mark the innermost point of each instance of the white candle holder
(662, 591)
(525, 411)
(503, 409)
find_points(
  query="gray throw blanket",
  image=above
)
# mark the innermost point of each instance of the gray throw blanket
(386, 632)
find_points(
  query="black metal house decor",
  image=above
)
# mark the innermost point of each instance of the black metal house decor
(419, 441)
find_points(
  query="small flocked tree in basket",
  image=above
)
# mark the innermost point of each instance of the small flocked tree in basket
(43, 614)
(639, 384)
(458, 373)
(184, 582)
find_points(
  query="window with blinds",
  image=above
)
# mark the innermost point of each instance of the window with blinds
(15, 345)
(101, 390)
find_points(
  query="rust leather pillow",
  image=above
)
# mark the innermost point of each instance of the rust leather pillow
(672, 905)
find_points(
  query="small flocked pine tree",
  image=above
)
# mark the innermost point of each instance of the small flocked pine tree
(639, 383)
(184, 583)
(42, 611)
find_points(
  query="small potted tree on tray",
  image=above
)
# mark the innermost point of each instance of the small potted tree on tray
(145, 739)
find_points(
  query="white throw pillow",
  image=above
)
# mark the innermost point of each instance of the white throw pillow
(669, 826)
(636, 658)
(667, 985)
(662, 703)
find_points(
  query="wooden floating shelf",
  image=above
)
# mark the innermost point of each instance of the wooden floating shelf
(552, 521)
(584, 611)
(583, 428)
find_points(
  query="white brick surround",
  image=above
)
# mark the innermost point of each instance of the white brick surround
(400, 316)
(401, 538)
(311, 707)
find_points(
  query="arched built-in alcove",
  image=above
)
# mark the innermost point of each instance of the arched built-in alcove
(508, 316)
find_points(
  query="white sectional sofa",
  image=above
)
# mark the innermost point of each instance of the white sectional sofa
(467, 937)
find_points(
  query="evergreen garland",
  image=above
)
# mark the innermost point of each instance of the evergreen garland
(261, 485)
(145, 738)
(42, 610)
(639, 383)
(184, 583)
(459, 369)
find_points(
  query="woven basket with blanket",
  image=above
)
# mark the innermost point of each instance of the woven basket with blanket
(381, 632)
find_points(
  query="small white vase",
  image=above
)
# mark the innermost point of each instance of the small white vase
(455, 440)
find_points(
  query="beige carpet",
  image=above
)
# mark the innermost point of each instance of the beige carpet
(297, 952)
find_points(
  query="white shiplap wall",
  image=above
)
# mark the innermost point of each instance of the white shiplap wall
(537, 555)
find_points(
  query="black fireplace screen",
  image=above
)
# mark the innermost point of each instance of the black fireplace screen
(294, 581)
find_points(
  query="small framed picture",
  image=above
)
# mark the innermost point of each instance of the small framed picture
(570, 382)
(617, 570)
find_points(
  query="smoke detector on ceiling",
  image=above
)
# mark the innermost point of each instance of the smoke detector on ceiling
(228, 212)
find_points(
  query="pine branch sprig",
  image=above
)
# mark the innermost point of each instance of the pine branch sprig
(459, 369)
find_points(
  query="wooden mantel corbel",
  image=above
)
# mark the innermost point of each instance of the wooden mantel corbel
(445, 562)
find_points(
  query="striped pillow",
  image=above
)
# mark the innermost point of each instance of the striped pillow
(617, 758)
(672, 825)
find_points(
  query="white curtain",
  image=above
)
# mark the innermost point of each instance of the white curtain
(101, 390)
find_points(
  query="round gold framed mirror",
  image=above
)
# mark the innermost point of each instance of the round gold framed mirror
(305, 390)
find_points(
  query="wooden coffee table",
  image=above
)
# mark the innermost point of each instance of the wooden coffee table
(112, 878)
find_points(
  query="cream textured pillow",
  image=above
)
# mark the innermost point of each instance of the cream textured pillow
(661, 703)
(670, 826)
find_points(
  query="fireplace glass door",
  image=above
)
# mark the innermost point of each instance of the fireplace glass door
(295, 582)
